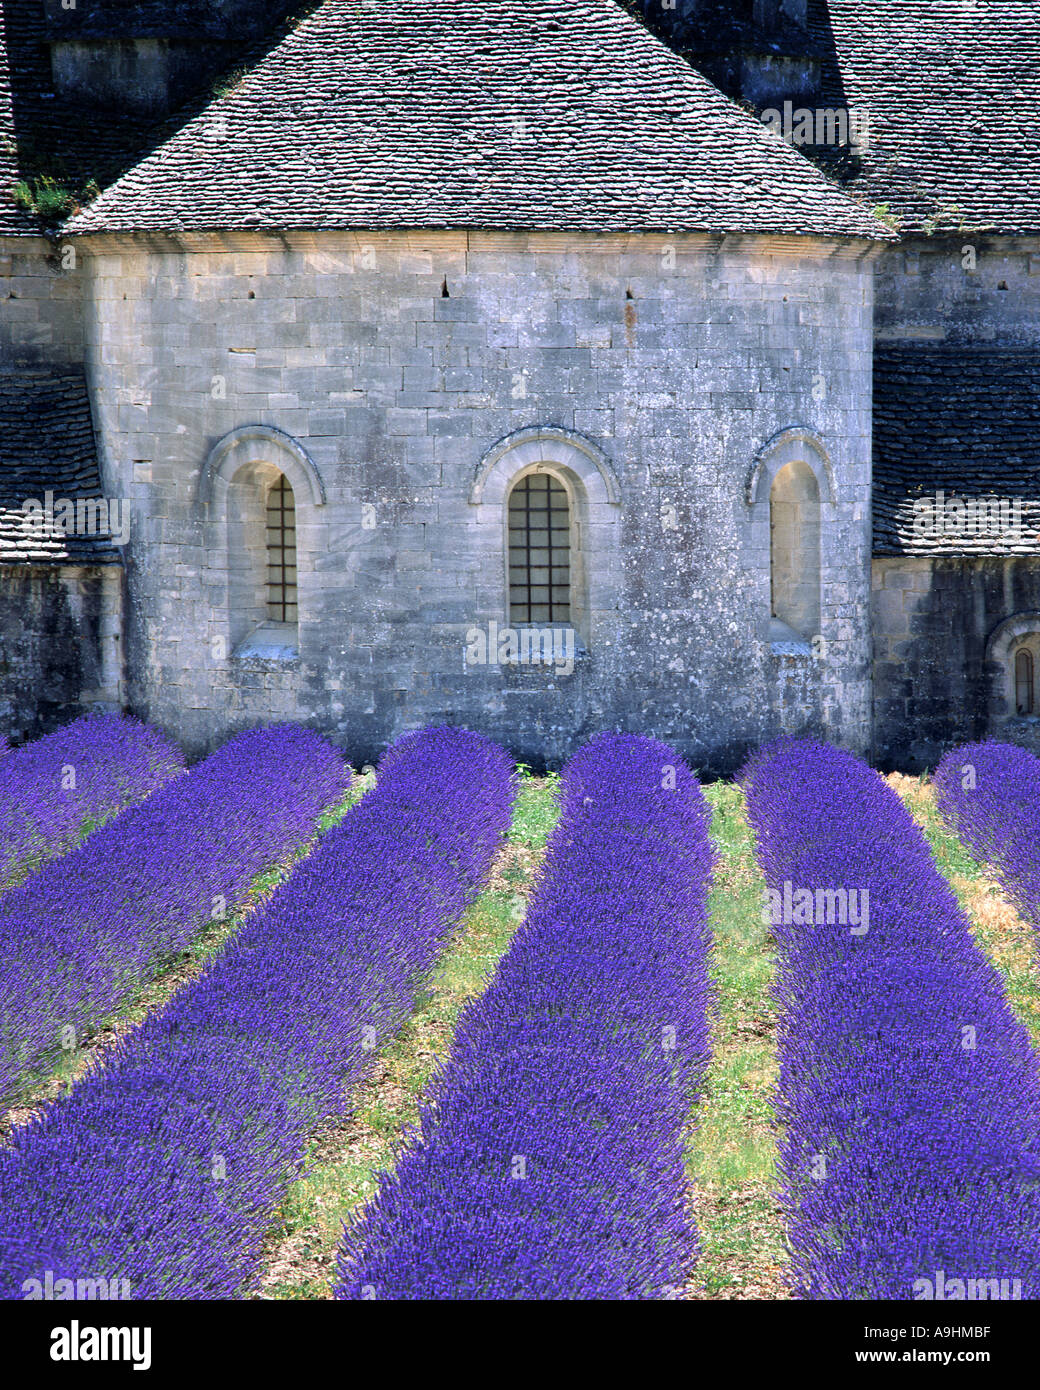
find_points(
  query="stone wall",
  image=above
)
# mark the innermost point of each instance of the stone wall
(964, 288)
(756, 51)
(148, 55)
(41, 304)
(60, 645)
(933, 618)
(380, 373)
(934, 682)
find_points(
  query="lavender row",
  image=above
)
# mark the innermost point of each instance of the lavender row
(989, 793)
(54, 790)
(164, 1170)
(549, 1163)
(79, 935)
(909, 1096)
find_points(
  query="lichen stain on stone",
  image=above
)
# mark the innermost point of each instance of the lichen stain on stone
(630, 320)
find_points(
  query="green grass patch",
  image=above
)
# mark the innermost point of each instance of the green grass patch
(171, 974)
(732, 1155)
(1010, 943)
(536, 810)
(345, 1158)
(51, 199)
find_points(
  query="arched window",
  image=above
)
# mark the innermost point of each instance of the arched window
(263, 609)
(281, 552)
(1024, 700)
(259, 492)
(539, 551)
(1013, 665)
(794, 531)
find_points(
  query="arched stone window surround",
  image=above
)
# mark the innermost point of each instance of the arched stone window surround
(795, 445)
(501, 464)
(1021, 631)
(232, 493)
(594, 495)
(254, 444)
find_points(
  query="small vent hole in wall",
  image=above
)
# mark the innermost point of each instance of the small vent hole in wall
(1003, 285)
(444, 289)
(252, 294)
(629, 294)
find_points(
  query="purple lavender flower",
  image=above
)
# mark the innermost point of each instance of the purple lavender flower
(54, 790)
(549, 1163)
(909, 1096)
(87, 929)
(164, 1168)
(989, 793)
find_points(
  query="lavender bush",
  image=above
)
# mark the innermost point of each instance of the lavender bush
(909, 1096)
(165, 1168)
(88, 928)
(54, 790)
(989, 793)
(550, 1163)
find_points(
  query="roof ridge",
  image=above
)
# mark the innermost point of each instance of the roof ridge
(625, 85)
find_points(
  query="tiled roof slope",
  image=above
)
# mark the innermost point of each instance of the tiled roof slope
(553, 114)
(953, 92)
(46, 444)
(964, 421)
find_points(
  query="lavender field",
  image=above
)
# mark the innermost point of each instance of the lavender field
(452, 1030)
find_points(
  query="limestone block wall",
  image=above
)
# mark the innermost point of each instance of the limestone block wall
(146, 55)
(965, 288)
(401, 382)
(939, 673)
(41, 304)
(60, 644)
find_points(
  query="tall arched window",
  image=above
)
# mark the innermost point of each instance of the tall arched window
(281, 552)
(259, 492)
(1013, 667)
(539, 550)
(1024, 698)
(262, 562)
(794, 525)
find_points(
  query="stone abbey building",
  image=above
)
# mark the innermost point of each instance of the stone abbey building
(538, 365)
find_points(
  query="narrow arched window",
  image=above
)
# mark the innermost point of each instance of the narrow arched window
(794, 524)
(281, 552)
(539, 551)
(1024, 681)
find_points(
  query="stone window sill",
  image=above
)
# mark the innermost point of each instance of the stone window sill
(784, 641)
(538, 667)
(273, 643)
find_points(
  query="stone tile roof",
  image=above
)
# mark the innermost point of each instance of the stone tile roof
(963, 421)
(555, 114)
(46, 445)
(953, 92)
